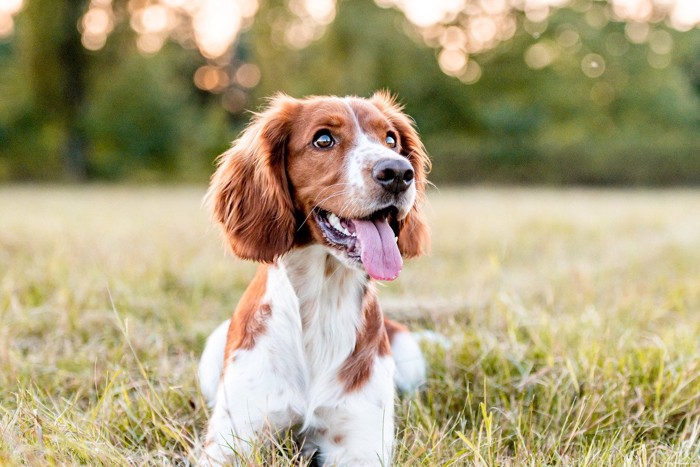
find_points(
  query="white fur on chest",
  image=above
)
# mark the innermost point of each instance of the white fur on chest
(330, 311)
(330, 307)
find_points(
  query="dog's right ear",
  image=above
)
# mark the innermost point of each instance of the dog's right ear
(249, 193)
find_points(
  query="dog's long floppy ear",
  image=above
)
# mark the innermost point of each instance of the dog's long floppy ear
(414, 235)
(249, 193)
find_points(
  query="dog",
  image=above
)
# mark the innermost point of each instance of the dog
(327, 194)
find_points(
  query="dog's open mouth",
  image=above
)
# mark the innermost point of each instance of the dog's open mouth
(371, 241)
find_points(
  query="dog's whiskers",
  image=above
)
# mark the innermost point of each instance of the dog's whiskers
(316, 205)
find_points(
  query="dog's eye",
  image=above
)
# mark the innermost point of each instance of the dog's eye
(391, 139)
(323, 139)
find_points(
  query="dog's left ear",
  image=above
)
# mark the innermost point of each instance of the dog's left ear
(249, 193)
(414, 235)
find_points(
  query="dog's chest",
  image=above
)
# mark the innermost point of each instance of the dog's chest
(330, 309)
(329, 332)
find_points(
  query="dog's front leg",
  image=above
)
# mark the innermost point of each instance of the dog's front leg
(253, 403)
(359, 431)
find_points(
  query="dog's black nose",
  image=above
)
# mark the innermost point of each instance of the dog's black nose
(395, 175)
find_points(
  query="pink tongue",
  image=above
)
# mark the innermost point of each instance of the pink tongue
(380, 253)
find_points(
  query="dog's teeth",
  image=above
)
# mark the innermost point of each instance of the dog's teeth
(396, 239)
(339, 225)
(335, 222)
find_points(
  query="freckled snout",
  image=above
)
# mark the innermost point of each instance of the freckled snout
(394, 175)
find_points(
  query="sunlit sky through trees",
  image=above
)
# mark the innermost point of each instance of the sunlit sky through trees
(457, 29)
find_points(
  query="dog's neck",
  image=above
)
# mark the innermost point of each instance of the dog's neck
(330, 296)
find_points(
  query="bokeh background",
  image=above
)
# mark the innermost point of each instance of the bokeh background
(503, 91)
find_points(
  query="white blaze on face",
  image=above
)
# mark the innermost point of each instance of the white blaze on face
(380, 253)
(360, 160)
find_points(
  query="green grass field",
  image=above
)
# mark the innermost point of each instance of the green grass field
(575, 318)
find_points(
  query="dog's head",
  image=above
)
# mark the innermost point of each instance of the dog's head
(347, 173)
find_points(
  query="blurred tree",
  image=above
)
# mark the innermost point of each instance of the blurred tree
(57, 65)
(76, 114)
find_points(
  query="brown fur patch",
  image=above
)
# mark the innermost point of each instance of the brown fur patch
(250, 318)
(318, 175)
(338, 439)
(249, 192)
(372, 341)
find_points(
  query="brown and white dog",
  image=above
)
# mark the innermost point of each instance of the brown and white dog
(326, 193)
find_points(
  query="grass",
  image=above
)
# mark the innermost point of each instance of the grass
(574, 317)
